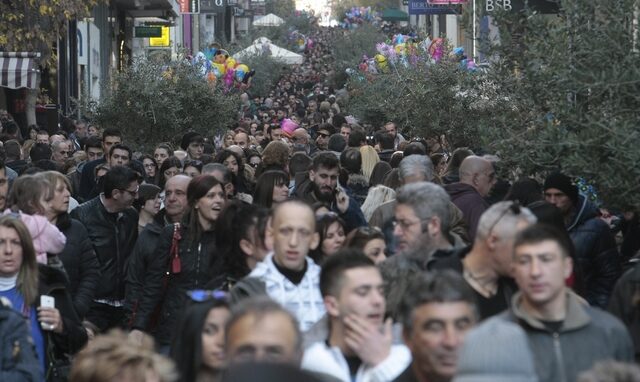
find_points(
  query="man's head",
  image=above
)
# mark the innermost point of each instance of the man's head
(391, 128)
(175, 197)
(300, 139)
(4, 186)
(541, 264)
(496, 233)
(351, 284)
(13, 150)
(275, 132)
(324, 131)
(42, 136)
(436, 311)
(560, 191)
(80, 129)
(110, 137)
(336, 143)
(121, 187)
(478, 173)
(324, 175)
(59, 152)
(119, 155)
(293, 231)
(93, 148)
(421, 215)
(357, 138)
(385, 141)
(351, 160)
(261, 330)
(241, 139)
(40, 151)
(345, 131)
(415, 168)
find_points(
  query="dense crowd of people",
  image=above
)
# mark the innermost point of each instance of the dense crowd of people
(308, 244)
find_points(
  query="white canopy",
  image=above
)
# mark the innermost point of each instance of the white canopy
(269, 20)
(263, 45)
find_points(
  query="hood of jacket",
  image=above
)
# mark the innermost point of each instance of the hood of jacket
(357, 182)
(457, 190)
(584, 211)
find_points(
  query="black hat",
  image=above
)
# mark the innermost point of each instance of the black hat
(190, 137)
(563, 183)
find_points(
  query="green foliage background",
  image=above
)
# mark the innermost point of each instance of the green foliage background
(560, 92)
(153, 103)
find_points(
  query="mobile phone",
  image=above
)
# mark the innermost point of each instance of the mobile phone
(47, 302)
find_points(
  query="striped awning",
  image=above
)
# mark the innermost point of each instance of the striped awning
(18, 70)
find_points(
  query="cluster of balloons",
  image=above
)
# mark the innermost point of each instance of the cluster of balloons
(408, 51)
(216, 64)
(358, 16)
(298, 41)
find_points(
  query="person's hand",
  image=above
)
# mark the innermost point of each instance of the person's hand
(137, 336)
(50, 319)
(371, 343)
(342, 200)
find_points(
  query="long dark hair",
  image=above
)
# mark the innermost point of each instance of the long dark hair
(186, 347)
(198, 187)
(239, 221)
(263, 194)
(323, 223)
(167, 164)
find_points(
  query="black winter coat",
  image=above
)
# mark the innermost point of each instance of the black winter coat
(53, 282)
(625, 304)
(139, 262)
(113, 236)
(596, 253)
(80, 263)
(199, 266)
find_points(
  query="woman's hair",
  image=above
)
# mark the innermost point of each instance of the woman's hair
(198, 187)
(276, 154)
(378, 173)
(53, 178)
(165, 146)
(27, 282)
(359, 237)
(456, 159)
(155, 164)
(396, 158)
(226, 153)
(194, 163)
(145, 192)
(115, 357)
(525, 191)
(263, 194)
(186, 346)
(26, 193)
(323, 223)
(376, 196)
(239, 221)
(172, 161)
(370, 159)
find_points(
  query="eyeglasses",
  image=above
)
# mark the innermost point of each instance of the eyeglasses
(202, 295)
(132, 193)
(515, 209)
(404, 225)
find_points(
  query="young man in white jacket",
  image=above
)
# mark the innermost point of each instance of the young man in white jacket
(359, 346)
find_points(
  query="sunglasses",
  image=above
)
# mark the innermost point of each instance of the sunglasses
(202, 295)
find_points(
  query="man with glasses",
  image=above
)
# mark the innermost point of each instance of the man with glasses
(477, 177)
(323, 132)
(486, 266)
(112, 225)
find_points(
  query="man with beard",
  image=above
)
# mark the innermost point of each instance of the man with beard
(359, 345)
(322, 186)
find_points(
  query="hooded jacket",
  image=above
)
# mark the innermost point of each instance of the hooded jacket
(303, 300)
(596, 252)
(470, 202)
(18, 358)
(625, 305)
(587, 335)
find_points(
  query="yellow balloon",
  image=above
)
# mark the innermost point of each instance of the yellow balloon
(221, 68)
(243, 67)
(231, 63)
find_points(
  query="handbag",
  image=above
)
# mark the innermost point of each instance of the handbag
(58, 369)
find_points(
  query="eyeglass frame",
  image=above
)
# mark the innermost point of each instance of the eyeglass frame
(132, 193)
(514, 207)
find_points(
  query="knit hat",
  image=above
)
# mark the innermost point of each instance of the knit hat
(496, 351)
(190, 137)
(563, 183)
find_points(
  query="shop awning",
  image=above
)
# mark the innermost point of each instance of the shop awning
(393, 14)
(18, 70)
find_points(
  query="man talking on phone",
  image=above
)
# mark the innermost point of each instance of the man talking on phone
(322, 186)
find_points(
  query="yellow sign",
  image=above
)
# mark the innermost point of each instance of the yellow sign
(162, 40)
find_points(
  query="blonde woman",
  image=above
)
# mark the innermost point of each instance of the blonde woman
(369, 160)
(377, 196)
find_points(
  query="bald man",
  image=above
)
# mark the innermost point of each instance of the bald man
(477, 177)
(301, 141)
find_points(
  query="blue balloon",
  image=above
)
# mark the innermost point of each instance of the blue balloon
(239, 74)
